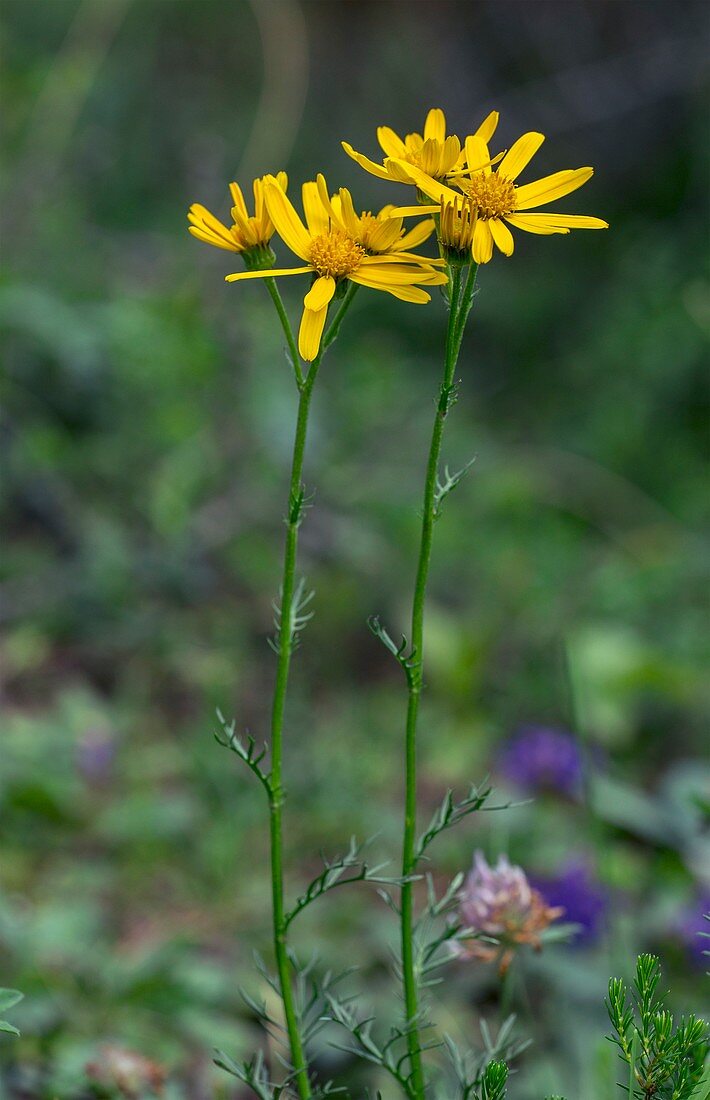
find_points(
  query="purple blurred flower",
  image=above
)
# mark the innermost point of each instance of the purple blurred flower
(584, 899)
(499, 902)
(95, 755)
(540, 757)
(690, 923)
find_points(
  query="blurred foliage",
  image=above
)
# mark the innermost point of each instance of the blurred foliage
(146, 422)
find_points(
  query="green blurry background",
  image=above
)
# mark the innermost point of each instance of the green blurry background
(145, 434)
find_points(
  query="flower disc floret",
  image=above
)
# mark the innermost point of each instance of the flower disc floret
(336, 254)
(492, 194)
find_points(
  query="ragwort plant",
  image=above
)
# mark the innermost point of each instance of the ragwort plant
(469, 198)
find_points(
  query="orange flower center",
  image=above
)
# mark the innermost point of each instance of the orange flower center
(336, 254)
(493, 195)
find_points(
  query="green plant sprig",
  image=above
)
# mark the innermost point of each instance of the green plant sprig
(665, 1061)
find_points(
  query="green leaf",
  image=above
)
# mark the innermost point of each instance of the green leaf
(9, 997)
(702, 1089)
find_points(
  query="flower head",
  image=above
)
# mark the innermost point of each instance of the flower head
(542, 758)
(249, 235)
(433, 152)
(498, 200)
(583, 898)
(498, 902)
(457, 226)
(337, 246)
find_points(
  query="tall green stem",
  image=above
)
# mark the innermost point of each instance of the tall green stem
(459, 305)
(286, 632)
(285, 649)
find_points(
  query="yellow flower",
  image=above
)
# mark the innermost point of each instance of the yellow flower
(497, 199)
(377, 233)
(248, 235)
(337, 246)
(432, 152)
(457, 227)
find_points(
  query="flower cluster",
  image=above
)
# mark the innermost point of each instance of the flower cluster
(476, 198)
(543, 758)
(576, 890)
(500, 912)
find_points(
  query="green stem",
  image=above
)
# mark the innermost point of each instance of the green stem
(415, 680)
(286, 326)
(285, 649)
(467, 296)
(334, 327)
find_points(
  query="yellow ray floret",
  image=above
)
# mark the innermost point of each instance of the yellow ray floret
(432, 152)
(496, 200)
(248, 233)
(338, 245)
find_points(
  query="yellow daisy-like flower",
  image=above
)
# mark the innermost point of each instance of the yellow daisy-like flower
(433, 152)
(249, 235)
(497, 199)
(377, 233)
(337, 245)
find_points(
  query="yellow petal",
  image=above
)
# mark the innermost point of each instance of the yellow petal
(380, 270)
(286, 220)
(529, 223)
(414, 211)
(434, 127)
(332, 205)
(320, 293)
(405, 293)
(416, 236)
(399, 170)
(310, 332)
(502, 236)
(430, 157)
(211, 238)
(350, 220)
(450, 155)
(425, 183)
(390, 143)
(488, 127)
(520, 154)
(200, 217)
(366, 163)
(415, 258)
(238, 199)
(316, 213)
(260, 212)
(482, 242)
(265, 274)
(478, 158)
(564, 221)
(384, 235)
(551, 187)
